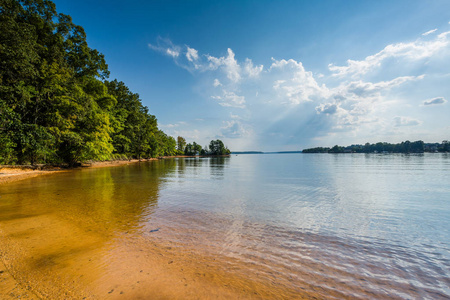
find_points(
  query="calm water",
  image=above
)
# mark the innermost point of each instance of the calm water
(261, 226)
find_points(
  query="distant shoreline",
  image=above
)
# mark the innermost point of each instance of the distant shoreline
(261, 152)
(383, 147)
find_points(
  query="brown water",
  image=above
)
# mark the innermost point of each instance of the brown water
(228, 228)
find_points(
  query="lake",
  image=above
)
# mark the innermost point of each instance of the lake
(270, 226)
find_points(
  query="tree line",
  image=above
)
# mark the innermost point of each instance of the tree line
(56, 102)
(403, 147)
(216, 147)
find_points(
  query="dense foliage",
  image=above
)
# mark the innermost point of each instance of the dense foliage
(403, 147)
(56, 105)
(216, 147)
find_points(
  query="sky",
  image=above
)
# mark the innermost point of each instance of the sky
(280, 75)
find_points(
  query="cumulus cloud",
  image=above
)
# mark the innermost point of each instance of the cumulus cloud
(435, 101)
(329, 108)
(228, 63)
(251, 70)
(405, 121)
(286, 97)
(416, 50)
(293, 83)
(191, 54)
(172, 52)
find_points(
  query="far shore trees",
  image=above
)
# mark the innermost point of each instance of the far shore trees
(403, 147)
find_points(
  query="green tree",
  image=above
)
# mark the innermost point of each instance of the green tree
(189, 149)
(55, 103)
(336, 149)
(181, 144)
(216, 147)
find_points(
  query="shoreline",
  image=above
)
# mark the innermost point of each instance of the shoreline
(15, 173)
(9, 173)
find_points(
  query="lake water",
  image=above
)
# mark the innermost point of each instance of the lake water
(248, 226)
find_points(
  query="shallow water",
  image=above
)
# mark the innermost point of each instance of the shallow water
(248, 226)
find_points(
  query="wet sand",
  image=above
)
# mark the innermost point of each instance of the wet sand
(10, 287)
(72, 262)
(52, 253)
(8, 175)
(11, 174)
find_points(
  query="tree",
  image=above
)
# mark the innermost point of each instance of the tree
(6, 134)
(189, 150)
(445, 146)
(336, 149)
(218, 148)
(197, 148)
(55, 102)
(181, 144)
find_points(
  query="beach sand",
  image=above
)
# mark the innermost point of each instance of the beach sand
(142, 268)
(11, 173)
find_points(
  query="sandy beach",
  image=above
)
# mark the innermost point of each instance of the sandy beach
(15, 173)
(10, 287)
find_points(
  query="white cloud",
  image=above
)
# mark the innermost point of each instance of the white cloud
(356, 103)
(416, 50)
(230, 99)
(435, 101)
(252, 71)
(232, 67)
(234, 117)
(166, 47)
(172, 52)
(169, 125)
(368, 89)
(329, 108)
(429, 32)
(405, 121)
(234, 129)
(285, 98)
(191, 54)
(293, 83)
(229, 64)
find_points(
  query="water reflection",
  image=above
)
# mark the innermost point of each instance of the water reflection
(217, 166)
(336, 226)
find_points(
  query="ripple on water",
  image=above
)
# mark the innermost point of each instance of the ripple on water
(267, 226)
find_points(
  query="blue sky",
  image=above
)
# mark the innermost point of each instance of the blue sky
(280, 75)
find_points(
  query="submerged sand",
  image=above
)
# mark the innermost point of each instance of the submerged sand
(72, 262)
(50, 255)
